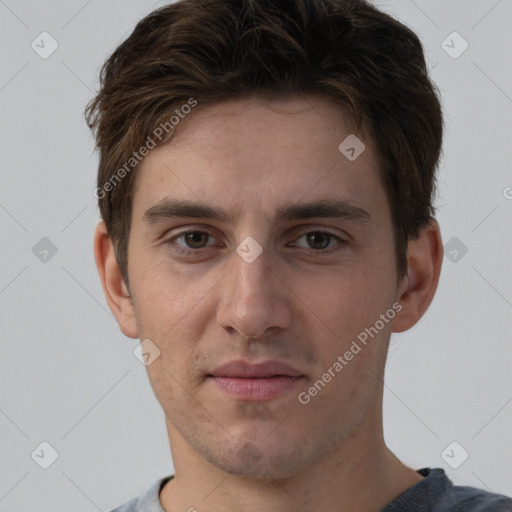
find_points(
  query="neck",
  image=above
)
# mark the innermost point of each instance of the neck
(360, 473)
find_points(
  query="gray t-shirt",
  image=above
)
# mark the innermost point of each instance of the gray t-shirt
(435, 493)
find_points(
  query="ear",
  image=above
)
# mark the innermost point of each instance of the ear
(417, 288)
(116, 292)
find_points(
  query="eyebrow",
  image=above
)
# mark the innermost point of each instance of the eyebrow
(326, 208)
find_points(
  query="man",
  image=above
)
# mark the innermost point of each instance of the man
(266, 181)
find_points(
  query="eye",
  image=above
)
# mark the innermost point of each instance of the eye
(320, 241)
(191, 241)
(195, 239)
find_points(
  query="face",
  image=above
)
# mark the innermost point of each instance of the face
(256, 241)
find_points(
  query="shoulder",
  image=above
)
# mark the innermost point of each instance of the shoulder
(129, 506)
(471, 499)
(148, 501)
(436, 493)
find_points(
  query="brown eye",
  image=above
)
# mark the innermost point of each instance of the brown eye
(191, 242)
(196, 239)
(318, 240)
(320, 243)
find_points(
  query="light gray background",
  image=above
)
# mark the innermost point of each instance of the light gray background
(69, 376)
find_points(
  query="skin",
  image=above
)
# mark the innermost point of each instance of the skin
(292, 304)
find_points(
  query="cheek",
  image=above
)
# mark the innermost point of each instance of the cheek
(164, 297)
(343, 309)
(172, 310)
(346, 300)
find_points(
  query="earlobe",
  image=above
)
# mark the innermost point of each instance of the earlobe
(116, 292)
(418, 287)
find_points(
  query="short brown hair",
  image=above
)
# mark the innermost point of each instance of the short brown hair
(216, 50)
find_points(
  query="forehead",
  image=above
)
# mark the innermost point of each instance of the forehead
(261, 153)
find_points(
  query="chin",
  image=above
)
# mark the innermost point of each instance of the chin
(249, 461)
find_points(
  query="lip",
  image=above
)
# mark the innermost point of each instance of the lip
(256, 382)
(241, 368)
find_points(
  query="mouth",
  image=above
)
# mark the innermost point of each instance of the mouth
(255, 382)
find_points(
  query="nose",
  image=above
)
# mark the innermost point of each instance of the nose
(254, 299)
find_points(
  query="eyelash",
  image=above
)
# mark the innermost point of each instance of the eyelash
(317, 252)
